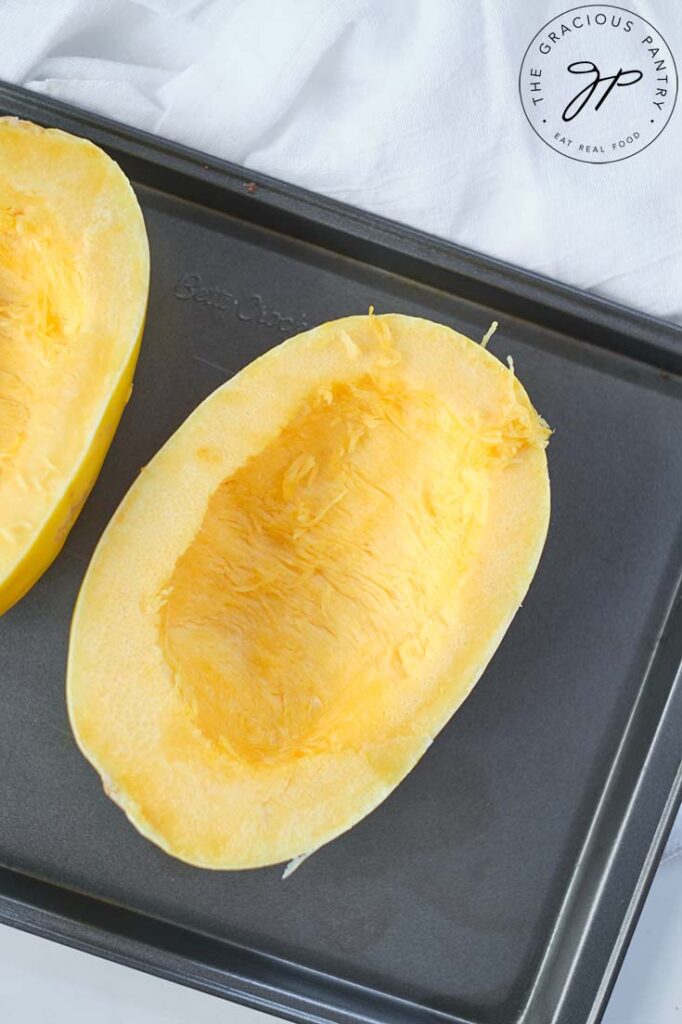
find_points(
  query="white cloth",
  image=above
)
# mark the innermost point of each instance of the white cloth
(409, 108)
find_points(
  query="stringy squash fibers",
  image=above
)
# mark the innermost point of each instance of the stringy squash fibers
(74, 270)
(304, 584)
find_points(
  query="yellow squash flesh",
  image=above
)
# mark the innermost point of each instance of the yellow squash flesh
(303, 586)
(74, 273)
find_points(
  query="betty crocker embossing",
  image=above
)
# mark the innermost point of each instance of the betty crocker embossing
(252, 307)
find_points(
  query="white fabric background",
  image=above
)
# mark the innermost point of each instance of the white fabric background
(406, 107)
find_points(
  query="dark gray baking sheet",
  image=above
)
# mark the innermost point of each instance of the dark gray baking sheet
(500, 881)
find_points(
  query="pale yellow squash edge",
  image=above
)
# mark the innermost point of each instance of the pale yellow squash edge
(55, 529)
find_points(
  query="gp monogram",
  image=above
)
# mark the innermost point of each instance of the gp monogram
(598, 83)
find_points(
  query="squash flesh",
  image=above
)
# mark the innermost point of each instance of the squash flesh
(355, 527)
(73, 285)
(325, 572)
